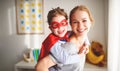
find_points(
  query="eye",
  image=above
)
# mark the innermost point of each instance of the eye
(54, 25)
(64, 23)
(84, 21)
(75, 22)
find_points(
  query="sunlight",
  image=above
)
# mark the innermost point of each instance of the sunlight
(27, 41)
(36, 42)
(33, 41)
(10, 21)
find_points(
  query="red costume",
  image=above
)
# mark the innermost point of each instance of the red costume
(48, 43)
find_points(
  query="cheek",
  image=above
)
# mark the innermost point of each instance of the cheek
(73, 26)
(88, 25)
(54, 30)
(65, 27)
(73, 29)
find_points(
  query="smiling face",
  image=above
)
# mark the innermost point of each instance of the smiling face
(59, 25)
(80, 23)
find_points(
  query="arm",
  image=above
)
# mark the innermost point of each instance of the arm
(85, 48)
(44, 64)
(60, 54)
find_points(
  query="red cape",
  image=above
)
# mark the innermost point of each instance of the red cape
(48, 43)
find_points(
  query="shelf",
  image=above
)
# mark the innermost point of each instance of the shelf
(90, 67)
(24, 65)
(31, 65)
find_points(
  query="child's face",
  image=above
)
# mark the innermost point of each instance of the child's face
(59, 25)
(80, 23)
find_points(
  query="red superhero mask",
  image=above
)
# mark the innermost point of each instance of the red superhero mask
(56, 24)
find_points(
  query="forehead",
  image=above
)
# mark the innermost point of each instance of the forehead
(80, 15)
(58, 18)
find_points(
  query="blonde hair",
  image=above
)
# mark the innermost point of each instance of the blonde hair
(81, 8)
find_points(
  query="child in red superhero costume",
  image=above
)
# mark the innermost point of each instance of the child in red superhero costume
(57, 20)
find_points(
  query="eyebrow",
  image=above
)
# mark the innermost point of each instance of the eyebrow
(84, 18)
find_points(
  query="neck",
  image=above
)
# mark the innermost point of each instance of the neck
(78, 39)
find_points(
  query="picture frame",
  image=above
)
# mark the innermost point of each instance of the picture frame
(29, 17)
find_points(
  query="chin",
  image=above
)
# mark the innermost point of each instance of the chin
(82, 34)
(61, 35)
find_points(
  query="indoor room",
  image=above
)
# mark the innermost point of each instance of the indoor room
(24, 26)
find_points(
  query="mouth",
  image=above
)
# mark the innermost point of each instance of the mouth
(61, 32)
(81, 31)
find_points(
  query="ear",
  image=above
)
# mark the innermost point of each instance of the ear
(50, 28)
(101, 46)
(93, 42)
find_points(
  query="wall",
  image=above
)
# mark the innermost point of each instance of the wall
(12, 45)
(114, 36)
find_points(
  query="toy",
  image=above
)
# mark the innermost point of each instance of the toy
(28, 56)
(96, 54)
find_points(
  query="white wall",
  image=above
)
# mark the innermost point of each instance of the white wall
(12, 45)
(114, 36)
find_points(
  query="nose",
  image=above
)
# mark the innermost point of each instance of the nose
(60, 27)
(80, 25)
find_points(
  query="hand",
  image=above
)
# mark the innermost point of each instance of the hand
(87, 50)
(84, 49)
